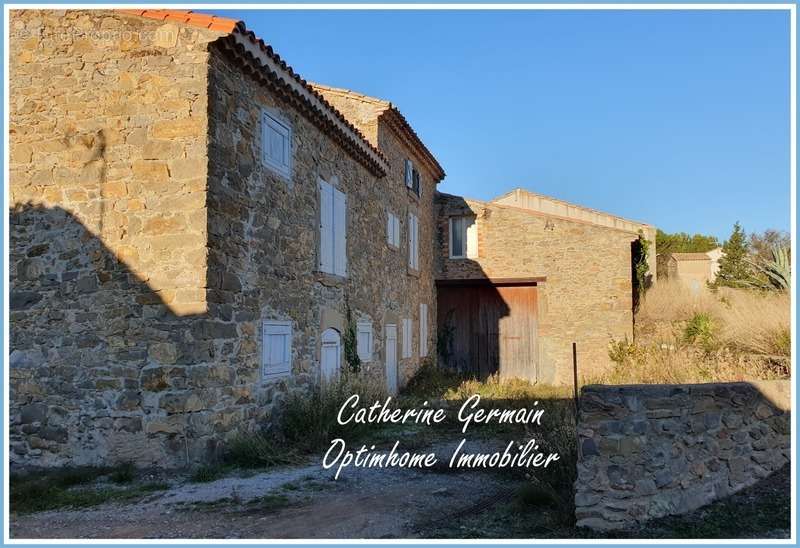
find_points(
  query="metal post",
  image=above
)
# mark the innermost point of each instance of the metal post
(575, 377)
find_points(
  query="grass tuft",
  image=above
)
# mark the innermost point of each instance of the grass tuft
(69, 488)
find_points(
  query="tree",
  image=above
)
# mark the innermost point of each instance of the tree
(762, 245)
(681, 242)
(734, 266)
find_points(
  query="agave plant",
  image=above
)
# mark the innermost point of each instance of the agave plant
(778, 271)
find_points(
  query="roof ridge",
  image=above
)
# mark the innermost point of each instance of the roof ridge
(561, 201)
(346, 91)
(202, 20)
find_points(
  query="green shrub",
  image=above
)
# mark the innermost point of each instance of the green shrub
(124, 473)
(620, 351)
(258, 450)
(701, 330)
(306, 422)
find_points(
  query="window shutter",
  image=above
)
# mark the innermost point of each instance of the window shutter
(416, 243)
(389, 229)
(423, 329)
(340, 232)
(409, 173)
(276, 354)
(326, 247)
(472, 238)
(406, 338)
(396, 220)
(413, 241)
(276, 144)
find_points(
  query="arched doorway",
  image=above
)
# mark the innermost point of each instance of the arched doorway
(330, 354)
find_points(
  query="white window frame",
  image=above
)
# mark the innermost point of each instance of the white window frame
(467, 237)
(408, 326)
(392, 230)
(276, 328)
(364, 340)
(337, 239)
(270, 119)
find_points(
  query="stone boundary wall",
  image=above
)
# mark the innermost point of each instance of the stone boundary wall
(647, 451)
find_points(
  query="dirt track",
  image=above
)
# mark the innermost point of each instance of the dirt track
(297, 502)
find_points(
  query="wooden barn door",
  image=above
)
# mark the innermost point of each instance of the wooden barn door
(490, 329)
(517, 333)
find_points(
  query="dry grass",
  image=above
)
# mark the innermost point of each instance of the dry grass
(755, 322)
(723, 335)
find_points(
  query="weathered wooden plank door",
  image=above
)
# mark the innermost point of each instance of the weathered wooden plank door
(490, 329)
(517, 333)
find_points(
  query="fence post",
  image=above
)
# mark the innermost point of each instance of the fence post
(575, 378)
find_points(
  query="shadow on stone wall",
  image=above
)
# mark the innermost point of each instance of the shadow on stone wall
(648, 451)
(469, 313)
(100, 368)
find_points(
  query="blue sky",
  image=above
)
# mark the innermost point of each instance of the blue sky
(679, 119)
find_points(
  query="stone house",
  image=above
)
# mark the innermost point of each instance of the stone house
(715, 255)
(691, 269)
(194, 230)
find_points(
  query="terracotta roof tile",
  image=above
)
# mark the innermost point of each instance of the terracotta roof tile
(202, 20)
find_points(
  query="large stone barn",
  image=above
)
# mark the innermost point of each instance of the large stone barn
(522, 277)
(194, 228)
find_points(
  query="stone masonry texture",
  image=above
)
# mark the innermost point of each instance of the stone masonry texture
(584, 274)
(148, 243)
(648, 451)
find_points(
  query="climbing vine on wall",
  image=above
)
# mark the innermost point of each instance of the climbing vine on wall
(351, 342)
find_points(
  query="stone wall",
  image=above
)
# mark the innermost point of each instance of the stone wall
(584, 274)
(648, 451)
(108, 235)
(264, 234)
(525, 199)
(148, 243)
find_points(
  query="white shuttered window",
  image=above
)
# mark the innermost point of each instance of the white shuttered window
(392, 229)
(413, 242)
(332, 230)
(276, 352)
(276, 144)
(423, 330)
(407, 338)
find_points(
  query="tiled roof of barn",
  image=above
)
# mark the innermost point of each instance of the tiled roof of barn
(691, 256)
(260, 61)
